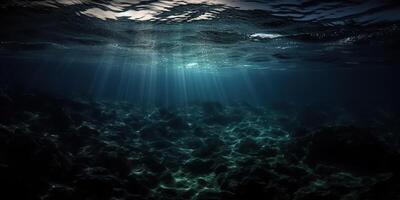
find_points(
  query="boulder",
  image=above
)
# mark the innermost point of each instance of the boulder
(177, 123)
(6, 109)
(60, 192)
(212, 146)
(96, 183)
(153, 132)
(248, 146)
(87, 131)
(198, 166)
(59, 119)
(351, 148)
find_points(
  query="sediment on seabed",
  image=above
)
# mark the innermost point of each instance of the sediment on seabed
(56, 149)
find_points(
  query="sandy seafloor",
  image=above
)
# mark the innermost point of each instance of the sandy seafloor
(57, 149)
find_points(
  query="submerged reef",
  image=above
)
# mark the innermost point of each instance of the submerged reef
(60, 149)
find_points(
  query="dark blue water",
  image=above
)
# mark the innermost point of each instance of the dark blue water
(368, 84)
(199, 99)
(184, 51)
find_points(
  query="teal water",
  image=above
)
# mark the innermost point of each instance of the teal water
(183, 51)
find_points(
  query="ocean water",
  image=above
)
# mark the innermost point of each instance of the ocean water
(199, 99)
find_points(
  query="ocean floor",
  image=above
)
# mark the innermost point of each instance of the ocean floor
(61, 149)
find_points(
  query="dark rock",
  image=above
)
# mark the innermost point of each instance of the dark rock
(315, 192)
(5, 101)
(269, 151)
(167, 178)
(135, 186)
(25, 116)
(121, 129)
(252, 189)
(116, 162)
(134, 120)
(103, 115)
(188, 194)
(60, 192)
(262, 173)
(336, 186)
(214, 141)
(351, 148)
(325, 169)
(177, 123)
(193, 142)
(73, 141)
(246, 131)
(221, 169)
(248, 146)
(6, 109)
(126, 155)
(168, 193)
(154, 132)
(199, 132)
(28, 162)
(161, 144)
(59, 119)
(209, 195)
(5, 135)
(291, 170)
(12, 188)
(231, 179)
(86, 131)
(212, 146)
(40, 154)
(246, 162)
(296, 149)
(151, 180)
(94, 185)
(300, 132)
(34, 102)
(120, 193)
(201, 182)
(154, 164)
(388, 188)
(199, 166)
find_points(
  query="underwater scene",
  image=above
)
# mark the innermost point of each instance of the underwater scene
(200, 100)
